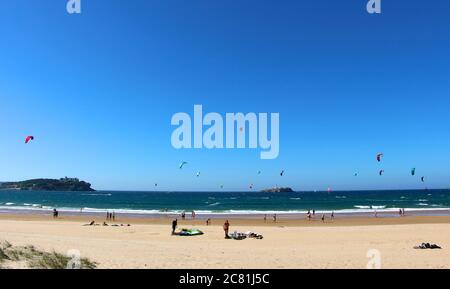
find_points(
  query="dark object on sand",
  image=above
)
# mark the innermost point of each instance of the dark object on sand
(425, 246)
(189, 232)
(242, 236)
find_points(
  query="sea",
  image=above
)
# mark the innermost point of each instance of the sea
(225, 203)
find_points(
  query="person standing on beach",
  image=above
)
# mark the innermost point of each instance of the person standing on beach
(275, 218)
(113, 216)
(314, 213)
(193, 215)
(332, 216)
(226, 228)
(323, 218)
(265, 218)
(174, 226)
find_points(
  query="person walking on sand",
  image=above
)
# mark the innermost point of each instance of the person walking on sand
(323, 218)
(193, 215)
(226, 228)
(332, 216)
(265, 218)
(208, 222)
(174, 226)
(114, 216)
(274, 218)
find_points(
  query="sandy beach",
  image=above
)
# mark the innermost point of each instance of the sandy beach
(289, 243)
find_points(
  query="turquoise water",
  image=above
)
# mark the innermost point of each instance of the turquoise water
(225, 202)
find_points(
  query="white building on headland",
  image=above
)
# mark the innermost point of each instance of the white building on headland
(66, 179)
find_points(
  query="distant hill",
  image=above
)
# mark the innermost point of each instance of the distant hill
(64, 184)
(278, 190)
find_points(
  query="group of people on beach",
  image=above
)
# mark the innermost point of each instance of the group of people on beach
(274, 218)
(311, 214)
(226, 227)
(110, 216)
(183, 215)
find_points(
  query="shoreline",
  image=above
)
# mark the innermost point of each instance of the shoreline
(288, 220)
(381, 213)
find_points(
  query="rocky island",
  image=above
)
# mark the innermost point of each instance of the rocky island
(278, 190)
(64, 184)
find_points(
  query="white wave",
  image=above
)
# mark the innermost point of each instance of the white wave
(341, 197)
(104, 195)
(363, 210)
(214, 204)
(422, 204)
(295, 199)
(10, 204)
(371, 207)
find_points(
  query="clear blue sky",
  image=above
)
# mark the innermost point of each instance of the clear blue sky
(98, 91)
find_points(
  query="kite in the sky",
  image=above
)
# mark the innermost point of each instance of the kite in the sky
(413, 171)
(356, 174)
(198, 174)
(379, 157)
(381, 172)
(282, 173)
(423, 179)
(29, 138)
(183, 164)
(259, 172)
